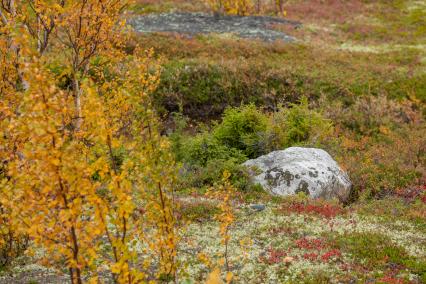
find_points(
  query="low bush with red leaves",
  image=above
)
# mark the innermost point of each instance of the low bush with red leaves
(273, 256)
(310, 244)
(317, 208)
(318, 250)
(412, 193)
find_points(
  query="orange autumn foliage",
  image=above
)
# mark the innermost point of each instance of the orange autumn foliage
(81, 162)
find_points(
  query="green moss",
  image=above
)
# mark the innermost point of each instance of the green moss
(374, 248)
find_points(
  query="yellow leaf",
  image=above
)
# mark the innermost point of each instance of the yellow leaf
(214, 277)
(384, 130)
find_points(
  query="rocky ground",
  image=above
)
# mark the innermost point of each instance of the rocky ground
(201, 23)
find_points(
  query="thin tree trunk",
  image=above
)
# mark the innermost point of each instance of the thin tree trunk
(12, 7)
(71, 275)
(22, 83)
(77, 102)
(76, 251)
(226, 251)
(38, 34)
(3, 18)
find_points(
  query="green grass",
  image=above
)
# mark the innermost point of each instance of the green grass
(378, 252)
(375, 249)
(392, 208)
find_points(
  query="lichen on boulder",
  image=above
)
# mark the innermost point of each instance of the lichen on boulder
(296, 169)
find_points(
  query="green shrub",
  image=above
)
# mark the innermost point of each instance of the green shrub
(242, 129)
(177, 137)
(245, 132)
(196, 176)
(202, 148)
(255, 133)
(297, 125)
(204, 158)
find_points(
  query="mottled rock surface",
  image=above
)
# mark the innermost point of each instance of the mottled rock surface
(296, 169)
(200, 23)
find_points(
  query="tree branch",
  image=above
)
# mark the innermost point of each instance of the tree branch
(3, 18)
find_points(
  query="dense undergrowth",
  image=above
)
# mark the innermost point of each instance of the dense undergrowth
(374, 101)
(244, 133)
(380, 143)
(213, 73)
(373, 98)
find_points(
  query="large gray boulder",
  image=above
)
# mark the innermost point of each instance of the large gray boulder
(296, 169)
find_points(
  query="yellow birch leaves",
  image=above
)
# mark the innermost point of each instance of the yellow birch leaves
(85, 172)
(224, 193)
(232, 7)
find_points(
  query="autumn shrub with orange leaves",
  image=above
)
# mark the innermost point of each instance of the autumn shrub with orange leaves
(390, 136)
(83, 162)
(13, 240)
(233, 7)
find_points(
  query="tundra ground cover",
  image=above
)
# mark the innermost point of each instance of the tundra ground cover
(358, 71)
(320, 242)
(304, 247)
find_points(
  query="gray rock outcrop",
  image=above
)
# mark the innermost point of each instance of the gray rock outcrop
(296, 169)
(259, 27)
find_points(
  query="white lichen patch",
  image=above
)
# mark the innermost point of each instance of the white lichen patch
(415, 5)
(379, 48)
